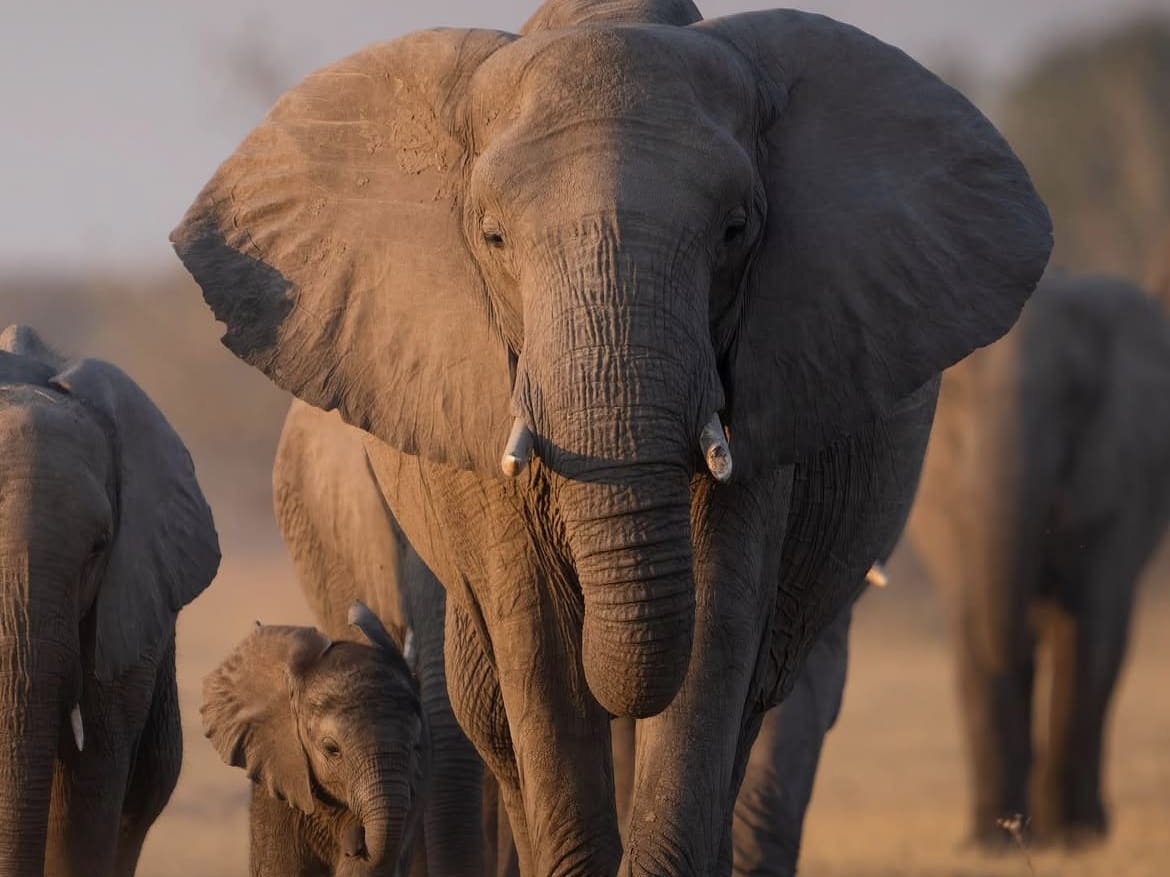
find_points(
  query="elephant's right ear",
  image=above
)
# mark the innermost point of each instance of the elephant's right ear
(248, 711)
(331, 245)
(901, 234)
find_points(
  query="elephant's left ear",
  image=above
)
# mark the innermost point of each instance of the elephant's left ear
(165, 550)
(902, 232)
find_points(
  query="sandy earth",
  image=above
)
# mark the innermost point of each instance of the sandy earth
(890, 798)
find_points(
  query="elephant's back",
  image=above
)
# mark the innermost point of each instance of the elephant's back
(1095, 394)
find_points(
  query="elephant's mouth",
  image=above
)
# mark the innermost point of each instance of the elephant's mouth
(712, 441)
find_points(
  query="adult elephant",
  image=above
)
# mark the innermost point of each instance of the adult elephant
(1045, 492)
(594, 247)
(346, 546)
(104, 537)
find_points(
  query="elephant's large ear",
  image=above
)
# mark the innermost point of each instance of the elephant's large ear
(248, 713)
(165, 550)
(331, 245)
(902, 233)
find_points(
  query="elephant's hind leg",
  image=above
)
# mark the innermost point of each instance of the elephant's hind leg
(155, 769)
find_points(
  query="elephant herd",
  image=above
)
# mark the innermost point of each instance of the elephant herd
(616, 346)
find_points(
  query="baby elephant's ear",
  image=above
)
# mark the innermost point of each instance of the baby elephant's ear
(248, 710)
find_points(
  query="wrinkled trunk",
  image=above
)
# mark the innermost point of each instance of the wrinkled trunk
(32, 710)
(387, 811)
(617, 379)
(631, 545)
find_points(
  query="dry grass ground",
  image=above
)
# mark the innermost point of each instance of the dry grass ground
(891, 796)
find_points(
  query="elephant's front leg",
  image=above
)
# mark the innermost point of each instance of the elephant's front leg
(559, 733)
(690, 757)
(90, 787)
(778, 783)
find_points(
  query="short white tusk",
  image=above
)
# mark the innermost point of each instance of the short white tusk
(713, 443)
(518, 449)
(78, 728)
(408, 653)
(877, 576)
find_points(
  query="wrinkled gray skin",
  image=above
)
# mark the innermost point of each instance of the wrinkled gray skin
(613, 232)
(346, 546)
(332, 734)
(1046, 490)
(104, 537)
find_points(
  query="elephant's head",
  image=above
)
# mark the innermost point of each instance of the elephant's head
(599, 241)
(333, 725)
(104, 536)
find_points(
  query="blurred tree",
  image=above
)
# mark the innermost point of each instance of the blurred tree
(1092, 122)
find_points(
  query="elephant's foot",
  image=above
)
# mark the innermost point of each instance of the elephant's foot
(1081, 837)
(999, 835)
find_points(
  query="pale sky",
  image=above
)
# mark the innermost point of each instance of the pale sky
(117, 111)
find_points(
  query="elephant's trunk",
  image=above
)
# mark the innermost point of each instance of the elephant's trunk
(388, 810)
(618, 382)
(631, 545)
(34, 726)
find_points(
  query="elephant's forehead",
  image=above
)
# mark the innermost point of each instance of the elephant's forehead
(612, 71)
(40, 427)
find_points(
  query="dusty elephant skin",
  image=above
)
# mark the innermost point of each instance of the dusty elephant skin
(104, 537)
(346, 546)
(1045, 492)
(332, 734)
(614, 232)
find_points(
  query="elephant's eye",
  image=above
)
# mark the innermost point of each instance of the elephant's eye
(493, 232)
(100, 544)
(734, 229)
(330, 748)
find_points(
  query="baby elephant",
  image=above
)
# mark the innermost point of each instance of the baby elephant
(333, 737)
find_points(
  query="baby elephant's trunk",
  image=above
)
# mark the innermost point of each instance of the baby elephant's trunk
(385, 823)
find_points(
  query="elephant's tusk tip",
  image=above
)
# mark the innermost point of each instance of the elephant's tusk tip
(719, 463)
(78, 727)
(877, 576)
(716, 453)
(512, 466)
(518, 449)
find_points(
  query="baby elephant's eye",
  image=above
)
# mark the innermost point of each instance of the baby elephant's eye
(330, 748)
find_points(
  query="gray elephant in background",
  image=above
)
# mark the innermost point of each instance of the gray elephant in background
(347, 547)
(1045, 491)
(104, 537)
(332, 734)
(562, 278)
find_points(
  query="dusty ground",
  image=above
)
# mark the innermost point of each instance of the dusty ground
(890, 799)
